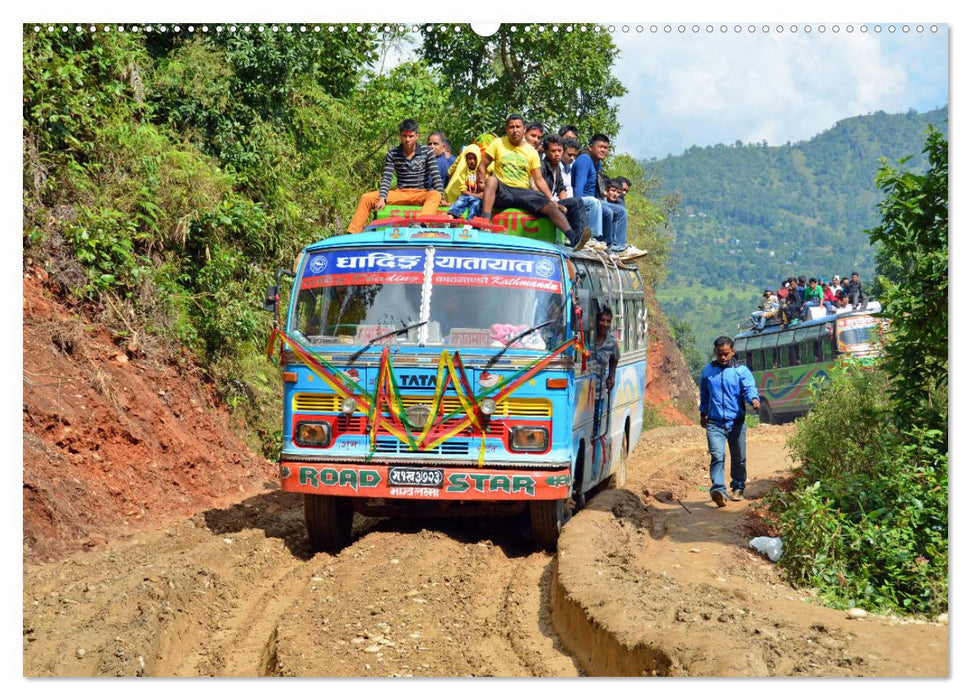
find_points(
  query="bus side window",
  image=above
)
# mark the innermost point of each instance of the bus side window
(776, 363)
(793, 355)
(630, 325)
(818, 350)
(827, 349)
(747, 359)
(759, 363)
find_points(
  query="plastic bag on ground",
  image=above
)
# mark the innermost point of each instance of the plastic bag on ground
(769, 546)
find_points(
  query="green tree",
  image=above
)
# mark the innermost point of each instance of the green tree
(553, 77)
(912, 259)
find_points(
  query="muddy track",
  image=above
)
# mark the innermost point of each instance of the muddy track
(649, 580)
(237, 592)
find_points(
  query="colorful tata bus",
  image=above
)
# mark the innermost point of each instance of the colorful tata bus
(434, 366)
(787, 363)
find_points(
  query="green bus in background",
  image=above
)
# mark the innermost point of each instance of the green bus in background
(789, 362)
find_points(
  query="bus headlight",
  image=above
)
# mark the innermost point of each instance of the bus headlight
(488, 407)
(529, 439)
(312, 434)
(348, 405)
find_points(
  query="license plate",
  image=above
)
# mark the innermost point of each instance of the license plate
(415, 476)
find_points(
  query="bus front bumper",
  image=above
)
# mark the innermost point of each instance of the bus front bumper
(423, 483)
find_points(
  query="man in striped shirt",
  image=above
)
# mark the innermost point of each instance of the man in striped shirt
(414, 165)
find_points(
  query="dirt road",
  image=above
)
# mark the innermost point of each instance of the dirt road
(236, 592)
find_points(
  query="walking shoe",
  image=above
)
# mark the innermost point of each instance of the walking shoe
(584, 237)
(719, 498)
(735, 495)
(632, 253)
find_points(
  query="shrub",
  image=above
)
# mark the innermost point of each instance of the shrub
(866, 520)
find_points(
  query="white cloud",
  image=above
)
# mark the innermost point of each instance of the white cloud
(701, 89)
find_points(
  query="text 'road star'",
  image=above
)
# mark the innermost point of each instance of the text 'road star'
(353, 478)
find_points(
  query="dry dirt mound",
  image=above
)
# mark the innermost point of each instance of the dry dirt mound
(656, 580)
(670, 386)
(115, 441)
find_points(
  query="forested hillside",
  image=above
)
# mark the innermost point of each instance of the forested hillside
(168, 174)
(752, 214)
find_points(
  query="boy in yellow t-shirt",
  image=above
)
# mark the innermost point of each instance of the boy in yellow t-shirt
(508, 187)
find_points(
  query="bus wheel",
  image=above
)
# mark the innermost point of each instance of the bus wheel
(619, 477)
(765, 414)
(328, 521)
(547, 518)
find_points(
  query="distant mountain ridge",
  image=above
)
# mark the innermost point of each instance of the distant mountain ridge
(796, 209)
(751, 215)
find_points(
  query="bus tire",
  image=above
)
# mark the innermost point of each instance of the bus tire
(765, 414)
(619, 477)
(547, 518)
(328, 520)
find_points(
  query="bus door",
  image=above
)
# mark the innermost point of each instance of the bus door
(597, 279)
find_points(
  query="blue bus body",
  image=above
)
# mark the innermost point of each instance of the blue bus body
(394, 346)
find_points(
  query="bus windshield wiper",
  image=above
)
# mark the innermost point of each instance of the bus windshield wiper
(397, 331)
(516, 337)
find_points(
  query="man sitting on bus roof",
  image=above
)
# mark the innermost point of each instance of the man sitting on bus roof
(854, 292)
(414, 165)
(576, 213)
(508, 187)
(768, 308)
(814, 297)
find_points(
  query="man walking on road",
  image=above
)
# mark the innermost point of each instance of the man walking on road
(725, 387)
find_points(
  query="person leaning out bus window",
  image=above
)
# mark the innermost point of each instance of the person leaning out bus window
(725, 387)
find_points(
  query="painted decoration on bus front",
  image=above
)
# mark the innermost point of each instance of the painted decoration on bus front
(481, 269)
(369, 266)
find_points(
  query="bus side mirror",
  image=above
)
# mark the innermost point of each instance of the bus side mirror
(270, 299)
(589, 307)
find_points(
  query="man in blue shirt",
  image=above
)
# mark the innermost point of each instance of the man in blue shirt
(608, 221)
(725, 387)
(443, 154)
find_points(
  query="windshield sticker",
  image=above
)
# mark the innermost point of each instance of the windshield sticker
(353, 267)
(477, 269)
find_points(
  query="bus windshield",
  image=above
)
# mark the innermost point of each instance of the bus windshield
(858, 336)
(473, 299)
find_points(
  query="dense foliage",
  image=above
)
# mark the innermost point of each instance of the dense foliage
(912, 260)
(169, 175)
(550, 76)
(753, 214)
(866, 522)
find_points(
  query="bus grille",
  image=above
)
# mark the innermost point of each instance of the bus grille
(393, 446)
(331, 403)
(354, 425)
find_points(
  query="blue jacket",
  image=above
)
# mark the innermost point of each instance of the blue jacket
(584, 176)
(724, 391)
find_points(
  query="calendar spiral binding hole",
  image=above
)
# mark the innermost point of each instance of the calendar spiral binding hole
(388, 29)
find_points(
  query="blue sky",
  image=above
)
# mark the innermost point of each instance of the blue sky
(705, 88)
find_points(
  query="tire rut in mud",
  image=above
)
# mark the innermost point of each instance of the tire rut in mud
(459, 597)
(237, 592)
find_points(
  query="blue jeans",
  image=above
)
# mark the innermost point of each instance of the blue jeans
(734, 434)
(466, 202)
(594, 216)
(615, 225)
